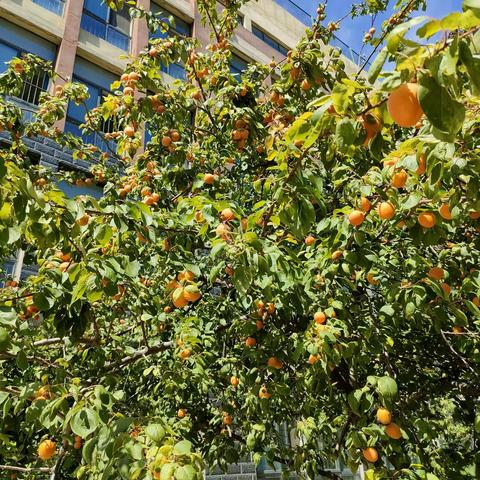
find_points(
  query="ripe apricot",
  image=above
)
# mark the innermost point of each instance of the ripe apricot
(365, 204)
(370, 454)
(384, 416)
(474, 215)
(227, 419)
(271, 308)
(260, 325)
(313, 359)
(250, 342)
(457, 330)
(320, 318)
(444, 211)
(356, 218)
(185, 353)
(227, 214)
(393, 431)
(309, 240)
(446, 288)
(209, 178)
(476, 301)
(263, 392)
(336, 255)
(82, 221)
(386, 210)
(371, 279)
(274, 362)
(166, 141)
(181, 413)
(427, 219)
(422, 165)
(78, 442)
(234, 381)
(436, 273)
(191, 293)
(129, 131)
(46, 449)
(403, 105)
(399, 179)
(179, 299)
(223, 231)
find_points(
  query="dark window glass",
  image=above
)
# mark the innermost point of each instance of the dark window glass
(177, 27)
(33, 86)
(55, 6)
(269, 40)
(112, 26)
(237, 65)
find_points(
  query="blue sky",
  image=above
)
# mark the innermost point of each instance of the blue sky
(352, 31)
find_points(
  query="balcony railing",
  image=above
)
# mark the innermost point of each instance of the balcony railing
(55, 6)
(101, 29)
(92, 138)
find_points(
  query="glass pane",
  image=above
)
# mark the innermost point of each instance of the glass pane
(93, 26)
(237, 65)
(55, 6)
(6, 54)
(258, 33)
(77, 112)
(72, 190)
(175, 70)
(117, 38)
(180, 26)
(97, 8)
(121, 20)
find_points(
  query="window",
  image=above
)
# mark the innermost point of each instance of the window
(103, 22)
(237, 65)
(20, 42)
(176, 27)
(241, 20)
(98, 85)
(55, 6)
(269, 40)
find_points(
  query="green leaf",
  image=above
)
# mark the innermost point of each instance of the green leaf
(155, 432)
(184, 447)
(187, 472)
(377, 65)
(84, 422)
(444, 113)
(472, 64)
(242, 279)
(345, 133)
(21, 360)
(387, 387)
(473, 5)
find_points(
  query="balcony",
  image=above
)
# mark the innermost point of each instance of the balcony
(55, 6)
(103, 30)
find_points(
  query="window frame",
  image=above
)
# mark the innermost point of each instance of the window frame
(260, 33)
(29, 83)
(108, 25)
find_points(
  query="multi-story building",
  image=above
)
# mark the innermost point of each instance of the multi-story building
(88, 42)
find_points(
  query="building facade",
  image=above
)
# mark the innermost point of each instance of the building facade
(90, 43)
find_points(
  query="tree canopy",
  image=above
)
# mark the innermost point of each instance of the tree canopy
(303, 250)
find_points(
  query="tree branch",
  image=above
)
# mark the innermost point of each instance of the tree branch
(12, 468)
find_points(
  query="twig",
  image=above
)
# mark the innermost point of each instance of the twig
(12, 468)
(469, 367)
(144, 352)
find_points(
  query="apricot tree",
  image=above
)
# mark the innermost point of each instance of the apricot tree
(301, 252)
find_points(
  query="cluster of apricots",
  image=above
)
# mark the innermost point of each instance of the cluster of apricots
(169, 139)
(392, 430)
(183, 290)
(240, 133)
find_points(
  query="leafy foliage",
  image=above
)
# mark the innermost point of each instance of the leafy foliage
(234, 275)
